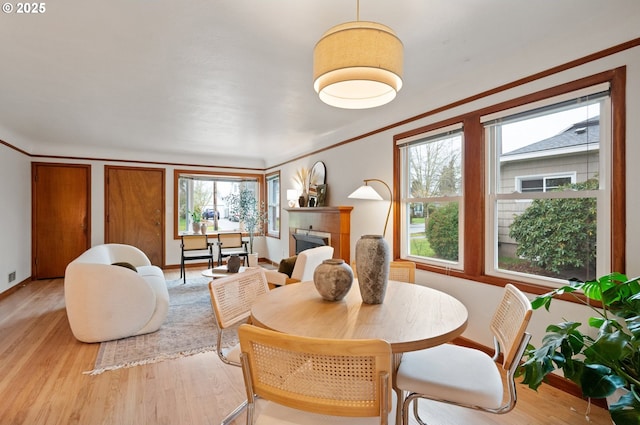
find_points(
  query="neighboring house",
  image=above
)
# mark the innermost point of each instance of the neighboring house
(572, 156)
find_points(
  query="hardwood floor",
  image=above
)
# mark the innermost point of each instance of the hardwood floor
(41, 367)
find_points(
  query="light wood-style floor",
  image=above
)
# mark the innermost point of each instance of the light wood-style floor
(41, 380)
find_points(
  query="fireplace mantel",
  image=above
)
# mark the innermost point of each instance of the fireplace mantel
(333, 220)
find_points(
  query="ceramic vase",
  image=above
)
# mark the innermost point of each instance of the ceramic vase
(203, 228)
(333, 279)
(233, 264)
(195, 227)
(372, 266)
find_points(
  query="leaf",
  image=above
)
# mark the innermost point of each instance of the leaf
(558, 346)
(599, 381)
(626, 411)
(608, 349)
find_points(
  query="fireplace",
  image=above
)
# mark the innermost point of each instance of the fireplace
(321, 226)
(307, 241)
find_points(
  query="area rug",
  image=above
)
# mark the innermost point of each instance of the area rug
(189, 329)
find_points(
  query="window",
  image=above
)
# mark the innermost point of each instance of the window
(537, 183)
(208, 197)
(273, 204)
(549, 226)
(432, 196)
(543, 183)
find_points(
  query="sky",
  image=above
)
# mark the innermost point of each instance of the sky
(525, 132)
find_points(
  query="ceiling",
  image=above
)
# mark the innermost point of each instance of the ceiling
(229, 81)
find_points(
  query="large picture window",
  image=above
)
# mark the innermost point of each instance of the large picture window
(529, 191)
(208, 198)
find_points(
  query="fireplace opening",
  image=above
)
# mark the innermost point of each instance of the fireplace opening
(305, 241)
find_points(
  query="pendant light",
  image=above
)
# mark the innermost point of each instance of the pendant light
(358, 65)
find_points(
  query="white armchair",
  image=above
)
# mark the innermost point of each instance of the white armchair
(106, 301)
(306, 263)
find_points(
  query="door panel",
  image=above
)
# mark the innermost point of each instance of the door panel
(134, 208)
(60, 215)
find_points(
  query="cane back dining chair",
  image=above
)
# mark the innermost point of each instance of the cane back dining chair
(468, 377)
(194, 247)
(303, 380)
(231, 299)
(402, 271)
(232, 244)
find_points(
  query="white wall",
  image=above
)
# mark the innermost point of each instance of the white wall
(15, 216)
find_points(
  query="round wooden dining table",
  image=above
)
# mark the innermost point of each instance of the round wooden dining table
(411, 317)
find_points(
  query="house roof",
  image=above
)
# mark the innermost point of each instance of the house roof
(583, 133)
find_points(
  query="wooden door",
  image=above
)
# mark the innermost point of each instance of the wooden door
(60, 216)
(134, 209)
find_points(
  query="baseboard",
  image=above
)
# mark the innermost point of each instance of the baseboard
(554, 380)
(15, 287)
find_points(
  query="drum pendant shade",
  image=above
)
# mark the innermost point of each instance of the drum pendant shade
(358, 65)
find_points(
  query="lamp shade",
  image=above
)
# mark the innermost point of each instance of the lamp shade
(292, 195)
(358, 65)
(365, 192)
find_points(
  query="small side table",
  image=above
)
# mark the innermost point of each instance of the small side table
(220, 271)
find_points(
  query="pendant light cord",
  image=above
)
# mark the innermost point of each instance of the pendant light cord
(357, 10)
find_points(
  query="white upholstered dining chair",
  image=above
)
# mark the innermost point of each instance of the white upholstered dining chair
(293, 379)
(465, 376)
(231, 299)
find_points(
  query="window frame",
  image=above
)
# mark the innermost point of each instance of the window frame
(269, 179)
(474, 232)
(177, 173)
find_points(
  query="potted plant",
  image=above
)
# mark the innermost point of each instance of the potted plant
(196, 215)
(252, 216)
(600, 362)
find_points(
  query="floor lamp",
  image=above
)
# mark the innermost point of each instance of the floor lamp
(367, 192)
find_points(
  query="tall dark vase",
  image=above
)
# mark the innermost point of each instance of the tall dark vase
(372, 267)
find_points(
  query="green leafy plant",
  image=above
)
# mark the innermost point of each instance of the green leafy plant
(598, 364)
(196, 214)
(558, 234)
(442, 231)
